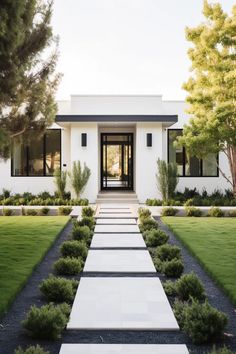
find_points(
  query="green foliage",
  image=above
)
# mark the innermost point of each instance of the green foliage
(211, 88)
(31, 350)
(167, 179)
(81, 233)
(189, 286)
(44, 211)
(60, 181)
(87, 212)
(27, 76)
(79, 177)
(144, 213)
(76, 249)
(169, 211)
(173, 268)
(216, 212)
(192, 211)
(153, 202)
(232, 213)
(7, 212)
(68, 266)
(168, 252)
(202, 322)
(47, 322)
(57, 289)
(87, 221)
(64, 210)
(170, 288)
(154, 238)
(223, 350)
(31, 212)
(148, 224)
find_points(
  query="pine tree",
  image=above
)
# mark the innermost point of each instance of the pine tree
(27, 75)
(212, 88)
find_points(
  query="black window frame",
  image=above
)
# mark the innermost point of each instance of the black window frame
(44, 158)
(184, 160)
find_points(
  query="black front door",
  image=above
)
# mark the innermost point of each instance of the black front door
(117, 161)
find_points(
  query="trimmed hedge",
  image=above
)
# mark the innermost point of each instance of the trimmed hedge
(169, 211)
(76, 249)
(87, 212)
(173, 268)
(57, 289)
(81, 233)
(154, 238)
(216, 213)
(148, 224)
(68, 266)
(168, 252)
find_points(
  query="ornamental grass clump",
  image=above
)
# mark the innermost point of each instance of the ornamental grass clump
(76, 249)
(215, 212)
(47, 322)
(192, 211)
(169, 211)
(64, 210)
(200, 321)
(144, 213)
(87, 212)
(68, 266)
(56, 289)
(154, 238)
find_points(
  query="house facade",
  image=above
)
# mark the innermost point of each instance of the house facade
(120, 138)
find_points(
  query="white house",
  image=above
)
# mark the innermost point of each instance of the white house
(120, 137)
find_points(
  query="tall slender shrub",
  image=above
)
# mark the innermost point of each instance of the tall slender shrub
(79, 177)
(167, 179)
(60, 178)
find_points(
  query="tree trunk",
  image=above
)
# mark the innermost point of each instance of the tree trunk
(232, 162)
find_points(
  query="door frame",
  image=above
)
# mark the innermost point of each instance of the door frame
(131, 166)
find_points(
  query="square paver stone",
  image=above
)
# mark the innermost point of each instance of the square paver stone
(117, 241)
(116, 221)
(116, 229)
(120, 261)
(123, 349)
(114, 215)
(136, 303)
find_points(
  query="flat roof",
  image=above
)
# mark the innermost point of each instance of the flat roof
(116, 118)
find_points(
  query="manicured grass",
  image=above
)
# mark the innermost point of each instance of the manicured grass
(24, 240)
(213, 242)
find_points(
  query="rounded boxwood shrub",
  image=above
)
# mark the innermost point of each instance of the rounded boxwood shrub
(81, 233)
(169, 211)
(232, 213)
(87, 211)
(154, 238)
(192, 211)
(68, 266)
(31, 212)
(7, 212)
(57, 289)
(31, 350)
(87, 221)
(190, 286)
(64, 210)
(44, 211)
(47, 322)
(74, 249)
(173, 268)
(170, 288)
(168, 252)
(144, 213)
(200, 321)
(148, 224)
(216, 212)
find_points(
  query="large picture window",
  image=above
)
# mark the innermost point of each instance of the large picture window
(189, 166)
(40, 158)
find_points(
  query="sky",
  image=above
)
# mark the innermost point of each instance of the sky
(125, 46)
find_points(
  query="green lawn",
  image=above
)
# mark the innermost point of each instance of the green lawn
(24, 240)
(213, 242)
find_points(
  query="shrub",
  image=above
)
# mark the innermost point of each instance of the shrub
(232, 213)
(87, 221)
(31, 212)
(167, 178)
(173, 268)
(81, 233)
(223, 350)
(44, 211)
(74, 249)
(31, 350)
(88, 211)
(68, 266)
(157, 263)
(79, 177)
(170, 288)
(168, 252)
(155, 238)
(216, 212)
(154, 202)
(148, 224)
(192, 211)
(60, 181)
(202, 322)
(7, 212)
(189, 202)
(57, 289)
(64, 210)
(144, 213)
(169, 211)
(189, 286)
(47, 322)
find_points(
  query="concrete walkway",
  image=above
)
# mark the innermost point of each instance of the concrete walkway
(120, 301)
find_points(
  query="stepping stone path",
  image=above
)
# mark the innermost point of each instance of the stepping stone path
(122, 300)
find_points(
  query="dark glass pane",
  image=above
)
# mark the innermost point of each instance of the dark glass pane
(192, 166)
(19, 162)
(36, 158)
(176, 154)
(115, 138)
(209, 165)
(53, 151)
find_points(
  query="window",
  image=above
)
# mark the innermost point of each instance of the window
(189, 166)
(40, 158)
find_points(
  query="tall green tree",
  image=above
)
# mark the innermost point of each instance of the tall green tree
(28, 55)
(212, 88)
